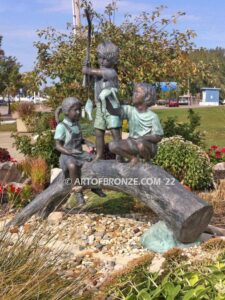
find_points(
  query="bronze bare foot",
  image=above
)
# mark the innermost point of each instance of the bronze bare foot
(134, 160)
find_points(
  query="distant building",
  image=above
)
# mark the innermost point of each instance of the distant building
(210, 96)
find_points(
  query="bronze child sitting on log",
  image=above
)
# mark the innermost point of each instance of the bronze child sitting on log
(69, 141)
(105, 78)
(145, 130)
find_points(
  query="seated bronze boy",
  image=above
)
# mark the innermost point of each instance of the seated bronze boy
(145, 130)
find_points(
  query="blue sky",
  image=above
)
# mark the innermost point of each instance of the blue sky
(19, 20)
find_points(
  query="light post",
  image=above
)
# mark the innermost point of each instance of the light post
(76, 14)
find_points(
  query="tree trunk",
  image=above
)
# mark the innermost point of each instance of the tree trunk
(185, 213)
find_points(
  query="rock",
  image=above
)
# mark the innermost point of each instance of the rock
(219, 167)
(91, 239)
(205, 237)
(54, 173)
(14, 229)
(219, 171)
(10, 173)
(55, 217)
(156, 265)
(26, 228)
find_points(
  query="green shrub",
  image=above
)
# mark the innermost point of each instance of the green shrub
(25, 109)
(186, 162)
(181, 282)
(38, 121)
(43, 147)
(187, 130)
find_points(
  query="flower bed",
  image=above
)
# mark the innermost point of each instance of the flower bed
(15, 195)
(5, 156)
(216, 154)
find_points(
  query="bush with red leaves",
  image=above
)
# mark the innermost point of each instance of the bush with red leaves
(4, 155)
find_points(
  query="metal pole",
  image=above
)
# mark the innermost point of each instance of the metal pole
(76, 14)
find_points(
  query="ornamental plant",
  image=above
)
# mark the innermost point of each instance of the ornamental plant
(25, 109)
(18, 196)
(38, 170)
(216, 154)
(43, 147)
(187, 162)
(202, 279)
(4, 155)
(39, 174)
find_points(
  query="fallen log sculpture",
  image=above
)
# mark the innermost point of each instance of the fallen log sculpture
(185, 213)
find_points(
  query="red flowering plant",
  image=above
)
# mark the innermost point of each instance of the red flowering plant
(2, 193)
(18, 196)
(5, 156)
(52, 123)
(216, 154)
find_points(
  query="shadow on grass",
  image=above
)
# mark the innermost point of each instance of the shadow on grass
(114, 203)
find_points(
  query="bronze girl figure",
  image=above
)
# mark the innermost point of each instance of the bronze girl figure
(69, 141)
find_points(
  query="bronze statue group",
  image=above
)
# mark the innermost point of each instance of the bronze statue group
(145, 130)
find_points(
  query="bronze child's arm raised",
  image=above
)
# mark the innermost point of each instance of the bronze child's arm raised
(113, 111)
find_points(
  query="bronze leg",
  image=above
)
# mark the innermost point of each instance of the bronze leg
(74, 172)
(122, 148)
(146, 149)
(100, 143)
(116, 134)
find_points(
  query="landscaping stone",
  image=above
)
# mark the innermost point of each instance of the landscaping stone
(219, 171)
(55, 217)
(54, 173)
(219, 167)
(79, 248)
(10, 173)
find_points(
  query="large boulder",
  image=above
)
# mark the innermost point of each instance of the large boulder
(219, 171)
(10, 173)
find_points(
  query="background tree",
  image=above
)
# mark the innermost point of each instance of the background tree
(30, 83)
(215, 58)
(9, 76)
(151, 50)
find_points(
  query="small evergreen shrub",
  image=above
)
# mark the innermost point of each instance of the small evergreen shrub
(186, 162)
(188, 130)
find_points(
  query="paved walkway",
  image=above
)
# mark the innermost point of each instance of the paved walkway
(6, 141)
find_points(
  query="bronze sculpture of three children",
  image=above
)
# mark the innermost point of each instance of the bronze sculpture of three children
(145, 130)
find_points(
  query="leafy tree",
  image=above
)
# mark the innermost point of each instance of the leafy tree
(216, 66)
(9, 75)
(30, 82)
(151, 50)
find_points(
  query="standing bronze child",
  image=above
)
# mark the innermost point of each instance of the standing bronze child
(106, 79)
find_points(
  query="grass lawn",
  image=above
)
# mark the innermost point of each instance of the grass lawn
(8, 127)
(115, 203)
(212, 122)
